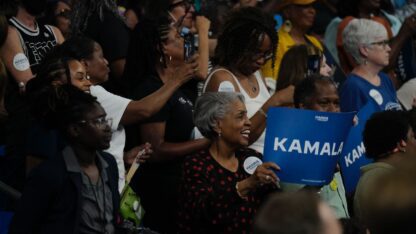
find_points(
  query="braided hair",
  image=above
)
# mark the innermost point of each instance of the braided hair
(146, 51)
(65, 104)
(42, 93)
(82, 10)
(242, 35)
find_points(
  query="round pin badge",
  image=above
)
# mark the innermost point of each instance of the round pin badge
(20, 62)
(251, 163)
(376, 95)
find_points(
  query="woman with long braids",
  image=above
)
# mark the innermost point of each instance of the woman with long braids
(156, 54)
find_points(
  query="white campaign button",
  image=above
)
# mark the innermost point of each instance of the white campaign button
(226, 86)
(251, 163)
(376, 95)
(20, 62)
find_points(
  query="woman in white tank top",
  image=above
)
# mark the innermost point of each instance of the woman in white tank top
(247, 41)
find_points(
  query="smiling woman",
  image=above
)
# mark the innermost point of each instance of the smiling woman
(247, 42)
(221, 190)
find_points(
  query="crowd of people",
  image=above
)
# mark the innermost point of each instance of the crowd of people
(183, 88)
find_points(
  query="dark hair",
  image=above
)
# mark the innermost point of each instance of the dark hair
(383, 131)
(82, 10)
(289, 213)
(3, 72)
(145, 52)
(239, 37)
(4, 28)
(78, 47)
(294, 65)
(67, 105)
(154, 9)
(39, 89)
(307, 88)
(348, 8)
(352, 8)
(9, 8)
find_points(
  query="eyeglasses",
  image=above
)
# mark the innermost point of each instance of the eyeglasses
(184, 3)
(266, 56)
(383, 43)
(100, 123)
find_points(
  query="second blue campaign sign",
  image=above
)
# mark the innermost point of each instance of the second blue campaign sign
(305, 144)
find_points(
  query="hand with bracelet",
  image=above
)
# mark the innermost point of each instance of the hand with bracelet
(263, 174)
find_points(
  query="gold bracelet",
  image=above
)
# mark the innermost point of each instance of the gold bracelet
(238, 192)
(261, 111)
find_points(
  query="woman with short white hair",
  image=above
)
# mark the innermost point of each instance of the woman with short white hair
(223, 184)
(367, 42)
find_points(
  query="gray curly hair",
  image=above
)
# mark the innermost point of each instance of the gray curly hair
(210, 107)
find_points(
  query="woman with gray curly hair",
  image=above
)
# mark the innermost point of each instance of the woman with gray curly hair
(366, 41)
(223, 185)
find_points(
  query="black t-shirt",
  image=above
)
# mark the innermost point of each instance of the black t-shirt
(177, 112)
(113, 35)
(158, 183)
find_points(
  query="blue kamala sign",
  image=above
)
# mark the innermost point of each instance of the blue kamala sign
(305, 144)
(353, 154)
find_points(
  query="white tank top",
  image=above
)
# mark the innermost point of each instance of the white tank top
(252, 104)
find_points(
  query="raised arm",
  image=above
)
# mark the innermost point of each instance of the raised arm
(202, 26)
(151, 104)
(154, 133)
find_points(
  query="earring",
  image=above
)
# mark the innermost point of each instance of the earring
(161, 59)
(219, 134)
(365, 62)
(287, 26)
(170, 58)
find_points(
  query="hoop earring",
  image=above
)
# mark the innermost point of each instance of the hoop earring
(287, 26)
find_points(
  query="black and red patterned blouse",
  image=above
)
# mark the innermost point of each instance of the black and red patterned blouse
(209, 201)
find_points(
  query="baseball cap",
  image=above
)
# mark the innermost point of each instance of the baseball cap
(286, 3)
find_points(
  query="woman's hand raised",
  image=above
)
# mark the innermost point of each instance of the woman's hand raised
(185, 71)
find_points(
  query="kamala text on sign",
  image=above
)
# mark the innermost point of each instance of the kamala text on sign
(305, 144)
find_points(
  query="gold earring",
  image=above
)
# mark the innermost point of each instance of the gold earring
(287, 26)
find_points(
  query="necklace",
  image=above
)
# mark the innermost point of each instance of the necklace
(252, 84)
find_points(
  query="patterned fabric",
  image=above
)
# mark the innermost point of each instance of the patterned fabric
(210, 202)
